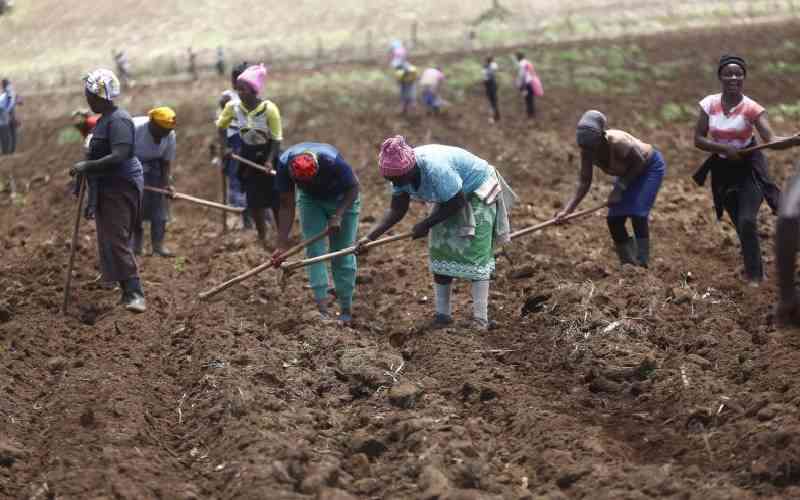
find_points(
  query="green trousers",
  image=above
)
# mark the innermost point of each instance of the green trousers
(314, 214)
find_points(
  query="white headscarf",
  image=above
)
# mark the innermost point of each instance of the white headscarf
(103, 83)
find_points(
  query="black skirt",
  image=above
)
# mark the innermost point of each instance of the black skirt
(258, 186)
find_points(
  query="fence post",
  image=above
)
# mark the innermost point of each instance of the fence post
(320, 50)
(369, 44)
(414, 34)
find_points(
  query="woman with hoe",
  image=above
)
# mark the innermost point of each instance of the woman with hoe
(261, 134)
(471, 213)
(639, 169)
(316, 179)
(739, 179)
(119, 180)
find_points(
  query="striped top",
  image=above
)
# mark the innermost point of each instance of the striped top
(734, 128)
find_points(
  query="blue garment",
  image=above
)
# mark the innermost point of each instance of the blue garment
(444, 171)
(431, 99)
(334, 178)
(640, 196)
(112, 129)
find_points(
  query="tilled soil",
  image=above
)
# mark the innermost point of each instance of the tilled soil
(599, 382)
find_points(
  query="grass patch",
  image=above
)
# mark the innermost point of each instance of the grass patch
(69, 135)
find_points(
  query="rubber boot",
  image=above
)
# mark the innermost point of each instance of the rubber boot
(643, 251)
(626, 251)
(160, 250)
(133, 296)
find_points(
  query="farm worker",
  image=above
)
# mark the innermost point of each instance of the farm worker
(490, 83)
(638, 168)
(236, 195)
(261, 134)
(155, 148)
(472, 203)
(739, 182)
(787, 238)
(8, 118)
(406, 76)
(528, 83)
(7, 104)
(397, 54)
(119, 186)
(431, 81)
(315, 178)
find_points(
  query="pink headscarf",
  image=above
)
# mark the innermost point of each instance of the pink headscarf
(396, 157)
(255, 76)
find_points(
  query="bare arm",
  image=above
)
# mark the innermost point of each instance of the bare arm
(285, 218)
(441, 213)
(584, 183)
(767, 135)
(397, 210)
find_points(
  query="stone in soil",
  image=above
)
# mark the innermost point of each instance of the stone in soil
(405, 395)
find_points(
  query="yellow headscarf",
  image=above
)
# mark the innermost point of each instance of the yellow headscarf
(164, 117)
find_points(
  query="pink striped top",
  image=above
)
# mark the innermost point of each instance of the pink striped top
(734, 128)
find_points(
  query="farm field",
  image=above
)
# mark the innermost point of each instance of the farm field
(623, 383)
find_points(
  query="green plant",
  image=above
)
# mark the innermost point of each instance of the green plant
(180, 264)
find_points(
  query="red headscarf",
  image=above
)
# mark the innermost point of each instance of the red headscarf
(304, 167)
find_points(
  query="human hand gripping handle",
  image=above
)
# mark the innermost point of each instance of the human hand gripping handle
(334, 224)
(79, 168)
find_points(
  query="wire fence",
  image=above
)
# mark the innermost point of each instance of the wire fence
(497, 28)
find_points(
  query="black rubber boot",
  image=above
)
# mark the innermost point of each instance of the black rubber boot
(626, 251)
(643, 251)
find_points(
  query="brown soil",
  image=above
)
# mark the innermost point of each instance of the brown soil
(622, 383)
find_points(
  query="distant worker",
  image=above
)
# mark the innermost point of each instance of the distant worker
(261, 132)
(406, 76)
(490, 82)
(7, 104)
(123, 67)
(431, 82)
(398, 55)
(155, 148)
(528, 83)
(220, 61)
(192, 56)
(11, 107)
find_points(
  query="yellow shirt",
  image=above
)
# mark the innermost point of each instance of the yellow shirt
(265, 118)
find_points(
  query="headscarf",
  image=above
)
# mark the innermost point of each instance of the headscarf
(396, 157)
(103, 83)
(164, 117)
(731, 59)
(304, 166)
(591, 129)
(255, 76)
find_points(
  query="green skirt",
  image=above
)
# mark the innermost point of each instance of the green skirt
(465, 257)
